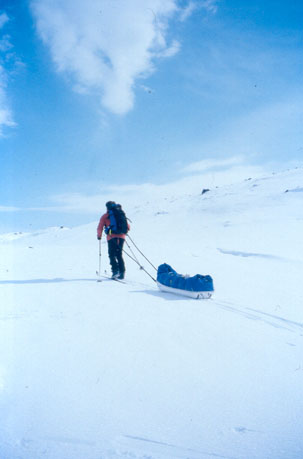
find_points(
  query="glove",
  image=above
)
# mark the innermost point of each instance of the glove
(99, 238)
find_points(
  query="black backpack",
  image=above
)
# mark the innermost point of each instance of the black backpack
(118, 220)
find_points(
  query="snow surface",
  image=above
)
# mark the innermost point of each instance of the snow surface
(107, 370)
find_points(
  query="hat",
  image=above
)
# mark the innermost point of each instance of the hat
(110, 204)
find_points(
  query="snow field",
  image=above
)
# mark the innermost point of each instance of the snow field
(106, 370)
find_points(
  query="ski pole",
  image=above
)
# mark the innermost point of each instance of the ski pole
(99, 272)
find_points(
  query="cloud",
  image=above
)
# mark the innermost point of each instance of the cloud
(105, 46)
(5, 44)
(188, 11)
(170, 51)
(192, 6)
(9, 209)
(233, 171)
(6, 118)
(209, 164)
(3, 19)
(210, 5)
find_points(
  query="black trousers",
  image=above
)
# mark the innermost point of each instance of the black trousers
(115, 247)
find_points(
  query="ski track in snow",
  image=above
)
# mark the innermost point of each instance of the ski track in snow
(129, 443)
(269, 319)
(247, 254)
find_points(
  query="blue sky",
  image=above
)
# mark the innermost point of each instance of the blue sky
(126, 92)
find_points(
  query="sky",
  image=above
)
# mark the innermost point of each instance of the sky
(107, 97)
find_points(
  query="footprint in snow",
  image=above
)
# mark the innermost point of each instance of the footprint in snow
(243, 430)
(240, 429)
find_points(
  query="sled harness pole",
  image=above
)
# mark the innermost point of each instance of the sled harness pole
(141, 267)
(134, 258)
(141, 252)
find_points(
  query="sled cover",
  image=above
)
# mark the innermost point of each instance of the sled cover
(166, 275)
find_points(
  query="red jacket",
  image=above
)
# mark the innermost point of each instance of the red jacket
(104, 222)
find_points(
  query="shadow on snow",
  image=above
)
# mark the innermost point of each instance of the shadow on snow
(44, 281)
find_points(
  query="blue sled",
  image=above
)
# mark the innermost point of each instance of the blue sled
(198, 286)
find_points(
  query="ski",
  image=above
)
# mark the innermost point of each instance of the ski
(108, 278)
(118, 280)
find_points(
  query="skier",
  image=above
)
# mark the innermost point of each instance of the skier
(116, 226)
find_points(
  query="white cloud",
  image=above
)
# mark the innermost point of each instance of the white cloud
(171, 51)
(91, 204)
(210, 5)
(9, 209)
(231, 172)
(188, 11)
(192, 6)
(5, 44)
(3, 19)
(208, 164)
(6, 118)
(106, 45)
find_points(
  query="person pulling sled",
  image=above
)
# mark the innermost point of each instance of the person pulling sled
(115, 225)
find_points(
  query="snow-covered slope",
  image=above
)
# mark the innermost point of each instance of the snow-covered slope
(105, 370)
